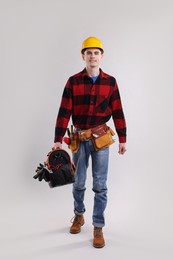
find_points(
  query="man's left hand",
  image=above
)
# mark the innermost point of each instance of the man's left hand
(122, 148)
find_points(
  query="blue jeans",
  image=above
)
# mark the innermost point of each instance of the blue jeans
(99, 173)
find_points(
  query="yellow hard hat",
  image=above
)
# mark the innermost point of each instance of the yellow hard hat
(92, 42)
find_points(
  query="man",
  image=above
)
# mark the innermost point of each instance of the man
(91, 97)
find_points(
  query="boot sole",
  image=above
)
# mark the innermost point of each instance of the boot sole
(72, 232)
(99, 246)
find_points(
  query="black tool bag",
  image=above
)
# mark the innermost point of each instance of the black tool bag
(57, 170)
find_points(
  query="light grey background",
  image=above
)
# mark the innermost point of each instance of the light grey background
(40, 45)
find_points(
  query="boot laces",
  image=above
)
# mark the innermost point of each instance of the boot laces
(75, 219)
(98, 232)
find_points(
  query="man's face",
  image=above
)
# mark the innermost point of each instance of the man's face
(92, 57)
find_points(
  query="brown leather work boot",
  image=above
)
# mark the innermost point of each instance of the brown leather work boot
(77, 223)
(98, 240)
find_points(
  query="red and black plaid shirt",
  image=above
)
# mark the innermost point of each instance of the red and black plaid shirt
(90, 104)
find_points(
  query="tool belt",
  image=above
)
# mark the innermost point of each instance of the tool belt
(101, 136)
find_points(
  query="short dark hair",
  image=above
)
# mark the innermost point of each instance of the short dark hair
(91, 48)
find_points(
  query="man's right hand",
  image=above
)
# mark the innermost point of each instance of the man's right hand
(57, 145)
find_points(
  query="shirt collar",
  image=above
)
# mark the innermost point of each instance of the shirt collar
(102, 74)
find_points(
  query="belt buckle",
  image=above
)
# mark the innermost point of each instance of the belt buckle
(82, 136)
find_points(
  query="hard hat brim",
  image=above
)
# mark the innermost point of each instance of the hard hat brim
(83, 50)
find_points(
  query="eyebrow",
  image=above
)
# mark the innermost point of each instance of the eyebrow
(89, 52)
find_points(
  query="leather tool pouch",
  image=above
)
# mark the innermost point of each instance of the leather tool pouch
(102, 136)
(74, 142)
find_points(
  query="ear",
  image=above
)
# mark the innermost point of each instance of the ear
(83, 56)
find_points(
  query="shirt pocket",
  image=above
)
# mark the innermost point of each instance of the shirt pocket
(102, 103)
